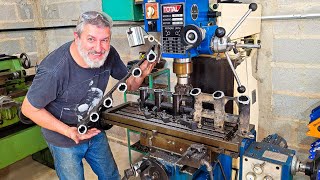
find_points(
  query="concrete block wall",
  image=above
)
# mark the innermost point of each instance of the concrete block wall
(288, 71)
(18, 14)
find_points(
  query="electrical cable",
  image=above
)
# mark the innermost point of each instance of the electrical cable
(222, 171)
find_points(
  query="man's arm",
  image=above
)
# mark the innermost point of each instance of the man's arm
(45, 119)
(134, 83)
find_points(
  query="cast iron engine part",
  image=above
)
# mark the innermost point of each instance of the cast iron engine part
(191, 116)
(218, 115)
(106, 101)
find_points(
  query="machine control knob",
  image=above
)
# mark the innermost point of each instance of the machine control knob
(267, 177)
(215, 6)
(241, 89)
(253, 6)
(250, 176)
(258, 168)
(220, 32)
(191, 36)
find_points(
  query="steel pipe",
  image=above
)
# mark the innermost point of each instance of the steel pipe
(291, 16)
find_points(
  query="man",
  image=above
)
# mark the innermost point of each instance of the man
(69, 82)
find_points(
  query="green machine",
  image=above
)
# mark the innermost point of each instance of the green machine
(124, 10)
(17, 140)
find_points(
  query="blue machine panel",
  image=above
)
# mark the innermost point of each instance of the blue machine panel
(174, 16)
(282, 157)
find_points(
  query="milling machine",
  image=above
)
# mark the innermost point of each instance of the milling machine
(206, 122)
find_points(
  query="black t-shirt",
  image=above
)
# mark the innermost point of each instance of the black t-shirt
(69, 91)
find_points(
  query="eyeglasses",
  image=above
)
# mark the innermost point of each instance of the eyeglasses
(92, 15)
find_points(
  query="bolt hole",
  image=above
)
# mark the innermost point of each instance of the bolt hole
(243, 98)
(217, 94)
(136, 72)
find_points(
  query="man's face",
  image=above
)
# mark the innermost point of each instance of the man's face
(93, 44)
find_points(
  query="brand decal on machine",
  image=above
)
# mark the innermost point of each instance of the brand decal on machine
(172, 19)
(171, 8)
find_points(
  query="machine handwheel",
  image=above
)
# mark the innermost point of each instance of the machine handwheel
(156, 171)
(25, 61)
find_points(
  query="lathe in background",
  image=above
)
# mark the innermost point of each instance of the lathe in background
(17, 140)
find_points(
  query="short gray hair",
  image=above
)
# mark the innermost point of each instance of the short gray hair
(98, 19)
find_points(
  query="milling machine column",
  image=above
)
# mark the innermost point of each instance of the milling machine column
(182, 68)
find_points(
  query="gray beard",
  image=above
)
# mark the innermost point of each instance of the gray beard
(88, 61)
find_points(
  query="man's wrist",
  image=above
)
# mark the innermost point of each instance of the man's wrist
(67, 131)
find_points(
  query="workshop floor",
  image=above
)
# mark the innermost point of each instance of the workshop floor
(29, 169)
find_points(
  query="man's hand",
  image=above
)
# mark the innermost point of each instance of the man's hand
(146, 67)
(72, 133)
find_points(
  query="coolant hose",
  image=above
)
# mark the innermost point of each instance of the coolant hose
(209, 167)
